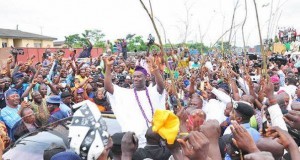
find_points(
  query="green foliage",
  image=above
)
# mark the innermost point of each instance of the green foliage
(135, 43)
(226, 46)
(276, 39)
(73, 41)
(199, 46)
(77, 41)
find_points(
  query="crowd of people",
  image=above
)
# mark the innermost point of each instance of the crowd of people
(213, 107)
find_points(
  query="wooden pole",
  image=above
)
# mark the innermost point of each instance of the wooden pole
(161, 48)
(264, 71)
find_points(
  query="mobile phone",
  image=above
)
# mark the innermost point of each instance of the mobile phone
(26, 99)
(264, 126)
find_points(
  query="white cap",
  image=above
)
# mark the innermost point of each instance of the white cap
(88, 131)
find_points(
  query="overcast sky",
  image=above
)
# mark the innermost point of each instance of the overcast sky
(117, 18)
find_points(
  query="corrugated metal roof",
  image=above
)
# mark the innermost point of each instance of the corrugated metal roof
(17, 34)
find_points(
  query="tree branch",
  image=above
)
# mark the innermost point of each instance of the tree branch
(261, 43)
(233, 16)
(162, 50)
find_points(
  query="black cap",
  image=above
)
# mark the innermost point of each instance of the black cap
(243, 108)
(65, 94)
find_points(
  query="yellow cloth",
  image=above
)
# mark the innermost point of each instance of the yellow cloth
(278, 48)
(80, 78)
(166, 124)
(183, 63)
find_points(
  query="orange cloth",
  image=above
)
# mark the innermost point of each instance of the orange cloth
(101, 108)
(166, 124)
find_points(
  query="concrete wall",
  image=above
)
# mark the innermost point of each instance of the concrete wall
(10, 42)
(30, 42)
(18, 43)
(47, 43)
(38, 52)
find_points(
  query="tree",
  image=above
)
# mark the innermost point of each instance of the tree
(77, 41)
(96, 36)
(198, 46)
(136, 43)
(74, 41)
(226, 46)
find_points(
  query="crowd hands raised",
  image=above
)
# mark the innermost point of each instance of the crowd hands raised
(227, 108)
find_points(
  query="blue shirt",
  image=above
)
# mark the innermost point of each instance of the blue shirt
(10, 116)
(253, 132)
(64, 108)
(58, 115)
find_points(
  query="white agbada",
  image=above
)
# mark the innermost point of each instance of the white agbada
(128, 112)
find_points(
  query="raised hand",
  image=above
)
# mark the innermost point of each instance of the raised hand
(34, 81)
(46, 82)
(268, 89)
(242, 139)
(195, 146)
(195, 120)
(211, 129)
(284, 138)
(25, 104)
(9, 60)
(129, 144)
(292, 118)
(109, 61)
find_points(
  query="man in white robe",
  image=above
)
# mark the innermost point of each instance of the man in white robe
(134, 108)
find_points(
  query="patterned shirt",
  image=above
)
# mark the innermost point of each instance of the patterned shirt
(41, 112)
(10, 115)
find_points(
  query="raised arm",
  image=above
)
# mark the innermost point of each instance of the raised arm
(158, 78)
(89, 42)
(53, 89)
(28, 89)
(8, 66)
(108, 85)
(192, 85)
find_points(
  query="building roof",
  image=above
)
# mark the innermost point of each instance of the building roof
(58, 43)
(17, 34)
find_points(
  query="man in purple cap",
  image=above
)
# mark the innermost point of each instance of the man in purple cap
(134, 108)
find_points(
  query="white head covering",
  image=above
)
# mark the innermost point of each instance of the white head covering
(88, 131)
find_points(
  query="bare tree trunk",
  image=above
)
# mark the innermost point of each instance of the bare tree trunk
(232, 21)
(224, 34)
(186, 22)
(162, 49)
(264, 71)
(270, 20)
(162, 26)
(243, 35)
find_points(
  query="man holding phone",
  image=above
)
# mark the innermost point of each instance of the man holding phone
(86, 53)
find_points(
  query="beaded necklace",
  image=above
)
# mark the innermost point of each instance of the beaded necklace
(140, 106)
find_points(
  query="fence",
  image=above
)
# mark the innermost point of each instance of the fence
(38, 52)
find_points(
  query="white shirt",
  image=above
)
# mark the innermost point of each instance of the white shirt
(277, 117)
(128, 112)
(214, 109)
